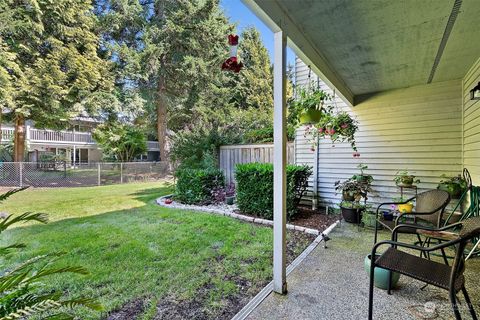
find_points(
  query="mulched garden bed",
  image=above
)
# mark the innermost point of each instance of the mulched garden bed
(314, 219)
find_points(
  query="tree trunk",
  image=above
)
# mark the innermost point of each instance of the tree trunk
(162, 120)
(19, 139)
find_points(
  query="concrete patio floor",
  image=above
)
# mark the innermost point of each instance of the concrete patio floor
(332, 284)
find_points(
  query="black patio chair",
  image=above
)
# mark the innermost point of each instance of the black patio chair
(429, 208)
(431, 272)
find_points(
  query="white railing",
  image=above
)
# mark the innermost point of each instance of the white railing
(49, 136)
(37, 135)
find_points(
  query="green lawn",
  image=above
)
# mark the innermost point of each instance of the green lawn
(145, 259)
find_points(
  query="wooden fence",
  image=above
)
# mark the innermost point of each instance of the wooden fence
(245, 153)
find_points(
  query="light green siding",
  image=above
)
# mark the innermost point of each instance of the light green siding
(417, 128)
(471, 124)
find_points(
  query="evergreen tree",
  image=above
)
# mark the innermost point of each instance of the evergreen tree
(253, 85)
(53, 62)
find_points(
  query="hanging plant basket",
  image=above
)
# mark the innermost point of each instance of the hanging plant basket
(323, 120)
(310, 116)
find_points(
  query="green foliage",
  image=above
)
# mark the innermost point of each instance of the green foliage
(255, 188)
(265, 134)
(20, 286)
(196, 186)
(121, 141)
(198, 148)
(50, 51)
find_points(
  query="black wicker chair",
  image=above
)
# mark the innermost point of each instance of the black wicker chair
(429, 207)
(431, 272)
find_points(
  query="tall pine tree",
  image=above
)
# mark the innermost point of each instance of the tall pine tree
(53, 62)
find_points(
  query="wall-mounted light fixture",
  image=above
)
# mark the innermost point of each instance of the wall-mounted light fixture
(475, 92)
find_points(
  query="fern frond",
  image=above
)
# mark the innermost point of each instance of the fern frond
(7, 194)
(7, 249)
(24, 217)
(31, 310)
(30, 262)
(90, 303)
(50, 271)
(10, 281)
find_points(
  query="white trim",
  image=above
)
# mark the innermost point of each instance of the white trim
(279, 164)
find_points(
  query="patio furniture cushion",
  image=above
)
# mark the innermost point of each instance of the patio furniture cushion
(432, 272)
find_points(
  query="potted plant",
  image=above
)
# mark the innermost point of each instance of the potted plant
(404, 207)
(230, 194)
(405, 179)
(455, 186)
(351, 189)
(309, 105)
(352, 211)
(362, 177)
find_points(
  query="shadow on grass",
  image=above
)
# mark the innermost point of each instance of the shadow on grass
(147, 195)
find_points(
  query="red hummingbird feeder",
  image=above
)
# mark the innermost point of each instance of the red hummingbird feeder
(232, 64)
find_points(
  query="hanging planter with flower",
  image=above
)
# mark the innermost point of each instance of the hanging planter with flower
(323, 120)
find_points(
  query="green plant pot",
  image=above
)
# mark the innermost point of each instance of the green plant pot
(407, 181)
(381, 275)
(310, 116)
(230, 200)
(454, 189)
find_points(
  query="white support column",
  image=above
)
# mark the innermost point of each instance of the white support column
(74, 155)
(279, 165)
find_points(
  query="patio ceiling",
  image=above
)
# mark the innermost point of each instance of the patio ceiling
(362, 47)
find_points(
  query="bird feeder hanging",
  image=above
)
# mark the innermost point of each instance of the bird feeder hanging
(232, 64)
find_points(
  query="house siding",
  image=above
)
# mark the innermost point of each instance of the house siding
(417, 128)
(471, 124)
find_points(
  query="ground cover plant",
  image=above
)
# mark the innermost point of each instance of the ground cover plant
(146, 261)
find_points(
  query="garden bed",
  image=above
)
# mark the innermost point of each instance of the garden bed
(307, 220)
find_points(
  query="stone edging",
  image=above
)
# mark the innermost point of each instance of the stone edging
(161, 202)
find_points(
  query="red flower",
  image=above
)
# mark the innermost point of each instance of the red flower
(320, 130)
(344, 126)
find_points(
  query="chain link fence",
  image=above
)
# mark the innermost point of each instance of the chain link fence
(62, 174)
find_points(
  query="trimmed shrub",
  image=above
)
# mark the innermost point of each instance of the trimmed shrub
(255, 188)
(195, 186)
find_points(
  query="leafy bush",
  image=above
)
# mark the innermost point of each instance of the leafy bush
(198, 148)
(21, 285)
(265, 134)
(255, 188)
(196, 186)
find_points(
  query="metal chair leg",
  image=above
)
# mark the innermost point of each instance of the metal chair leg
(453, 301)
(444, 255)
(469, 303)
(389, 289)
(370, 292)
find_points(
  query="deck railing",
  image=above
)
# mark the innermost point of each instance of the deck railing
(66, 137)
